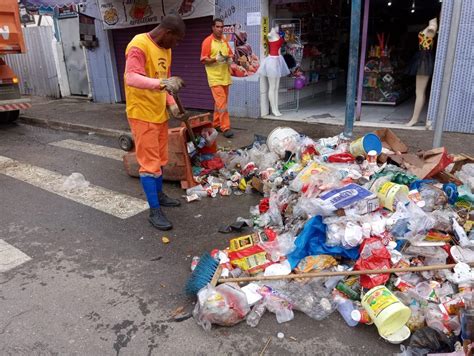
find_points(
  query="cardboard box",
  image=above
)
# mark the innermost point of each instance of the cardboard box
(257, 184)
(391, 142)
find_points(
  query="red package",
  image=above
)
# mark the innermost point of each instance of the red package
(373, 255)
(341, 158)
(264, 205)
(214, 163)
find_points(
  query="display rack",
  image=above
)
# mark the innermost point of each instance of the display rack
(384, 83)
(288, 97)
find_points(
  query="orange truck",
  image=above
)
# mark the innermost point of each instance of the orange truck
(11, 42)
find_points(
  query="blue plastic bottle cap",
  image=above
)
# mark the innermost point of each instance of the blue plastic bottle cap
(372, 142)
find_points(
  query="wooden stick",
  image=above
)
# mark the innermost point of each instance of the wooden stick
(340, 273)
(186, 121)
(265, 347)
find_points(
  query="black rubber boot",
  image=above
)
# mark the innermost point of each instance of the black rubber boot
(167, 201)
(159, 220)
(228, 134)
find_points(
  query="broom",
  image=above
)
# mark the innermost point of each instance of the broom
(208, 271)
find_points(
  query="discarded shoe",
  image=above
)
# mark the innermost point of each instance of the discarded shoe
(228, 134)
(158, 219)
(167, 201)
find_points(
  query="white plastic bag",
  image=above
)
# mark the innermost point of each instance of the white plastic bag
(224, 305)
(75, 181)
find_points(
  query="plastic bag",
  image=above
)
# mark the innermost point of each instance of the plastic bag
(276, 303)
(431, 340)
(75, 181)
(466, 175)
(373, 255)
(312, 241)
(433, 197)
(224, 305)
(281, 246)
(308, 207)
(210, 135)
(413, 219)
(310, 298)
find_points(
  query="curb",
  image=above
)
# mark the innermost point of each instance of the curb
(67, 126)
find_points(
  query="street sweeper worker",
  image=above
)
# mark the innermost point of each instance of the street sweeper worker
(147, 87)
(216, 55)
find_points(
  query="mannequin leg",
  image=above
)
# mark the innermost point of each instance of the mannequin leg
(273, 95)
(277, 87)
(421, 84)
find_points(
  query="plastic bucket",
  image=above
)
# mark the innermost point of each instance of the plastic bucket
(364, 144)
(277, 138)
(390, 193)
(386, 310)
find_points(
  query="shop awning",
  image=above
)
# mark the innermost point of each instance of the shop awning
(53, 3)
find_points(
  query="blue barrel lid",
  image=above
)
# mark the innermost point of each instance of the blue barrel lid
(372, 142)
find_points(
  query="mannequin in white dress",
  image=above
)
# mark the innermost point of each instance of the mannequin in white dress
(274, 67)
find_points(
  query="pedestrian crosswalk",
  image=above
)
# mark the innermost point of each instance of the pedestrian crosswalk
(114, 203)
(85, 147)
(11, 257)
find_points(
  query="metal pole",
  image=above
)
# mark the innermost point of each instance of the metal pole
(447, 72)
(363, 51)
(352, 70)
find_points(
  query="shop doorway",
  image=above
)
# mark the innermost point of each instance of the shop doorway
(388, 92)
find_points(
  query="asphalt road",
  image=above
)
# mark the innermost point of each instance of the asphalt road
(97, 284)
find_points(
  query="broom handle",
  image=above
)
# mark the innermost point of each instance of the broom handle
(186, 122)
(340, 273)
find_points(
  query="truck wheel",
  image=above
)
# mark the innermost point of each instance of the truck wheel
(9, 116)
(126, 142)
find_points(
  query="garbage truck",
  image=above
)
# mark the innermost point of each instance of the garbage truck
(11, 42)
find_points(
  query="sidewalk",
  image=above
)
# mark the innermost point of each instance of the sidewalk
(80, 115)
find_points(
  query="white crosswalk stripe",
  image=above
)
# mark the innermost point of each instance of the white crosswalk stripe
(102, 151)
(105, 200)
(11, 257)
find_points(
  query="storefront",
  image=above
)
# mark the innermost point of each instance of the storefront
(317, 39)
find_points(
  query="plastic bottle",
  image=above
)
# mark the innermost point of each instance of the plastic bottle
(467, 318)
(198, 190)
(345, 308)
(256, 314)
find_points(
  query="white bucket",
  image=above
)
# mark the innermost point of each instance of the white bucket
(278, 138)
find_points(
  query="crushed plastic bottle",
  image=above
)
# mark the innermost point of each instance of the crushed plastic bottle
(253, 318)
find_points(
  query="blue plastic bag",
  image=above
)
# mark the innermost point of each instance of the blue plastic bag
(312, 241)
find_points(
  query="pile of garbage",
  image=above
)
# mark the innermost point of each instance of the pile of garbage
(340, 206)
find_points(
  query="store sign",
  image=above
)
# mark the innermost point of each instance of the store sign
(131, 13)
(265, 31)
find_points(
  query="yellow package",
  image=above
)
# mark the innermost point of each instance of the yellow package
(315, 263)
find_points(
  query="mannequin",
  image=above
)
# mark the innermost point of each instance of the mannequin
(422, 66)
(274, 67)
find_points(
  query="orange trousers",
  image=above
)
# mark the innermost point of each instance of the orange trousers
(151, 145)
(221, 115)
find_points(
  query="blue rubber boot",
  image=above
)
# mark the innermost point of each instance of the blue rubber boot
(157, 218)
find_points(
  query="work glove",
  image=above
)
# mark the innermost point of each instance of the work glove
(177, 114)
(221, 58)
(172, 84)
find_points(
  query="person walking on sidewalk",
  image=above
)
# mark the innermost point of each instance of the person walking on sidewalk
(147, 83)
(216, 55)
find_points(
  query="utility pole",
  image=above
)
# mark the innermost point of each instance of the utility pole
(352, 70)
